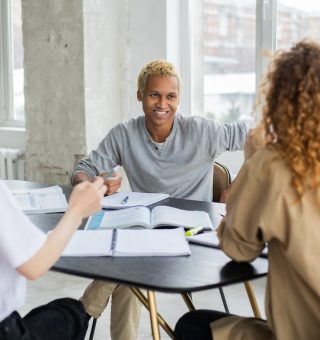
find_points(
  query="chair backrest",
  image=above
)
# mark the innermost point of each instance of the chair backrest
(221, 180)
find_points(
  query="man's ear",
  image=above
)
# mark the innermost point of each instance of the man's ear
(139, 96)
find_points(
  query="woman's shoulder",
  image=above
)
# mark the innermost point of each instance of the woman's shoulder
(269, 163)
(267, 155)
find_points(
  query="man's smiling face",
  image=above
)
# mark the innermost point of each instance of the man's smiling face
(160, 100)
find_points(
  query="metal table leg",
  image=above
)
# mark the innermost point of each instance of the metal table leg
(252, 300)
(188, 301)
(146, 302)
(153, 315)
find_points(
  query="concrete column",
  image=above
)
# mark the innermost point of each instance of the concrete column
(71, 82)
(54, 88)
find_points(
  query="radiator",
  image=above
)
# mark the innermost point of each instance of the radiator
(12, 164)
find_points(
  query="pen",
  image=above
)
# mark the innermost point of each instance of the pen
(194, 231)
(125, 200)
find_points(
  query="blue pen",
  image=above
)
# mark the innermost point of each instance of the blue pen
(125, 200)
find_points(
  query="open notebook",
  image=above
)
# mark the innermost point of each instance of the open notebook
(122, 200)
(140, 242)
(41, 201)
(159, 216)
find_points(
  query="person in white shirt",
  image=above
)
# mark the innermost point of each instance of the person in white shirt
(27, 253)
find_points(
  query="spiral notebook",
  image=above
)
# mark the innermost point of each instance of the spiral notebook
(128, 243)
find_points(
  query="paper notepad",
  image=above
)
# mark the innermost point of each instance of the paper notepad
(89, 243)
(127, 243)
(219, 208)
(122, 200)
(159, 216)
(41, 201)
(209, 239)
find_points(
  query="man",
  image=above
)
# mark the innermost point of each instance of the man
(160, 151)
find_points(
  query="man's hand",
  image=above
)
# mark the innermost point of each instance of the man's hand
(112, 182)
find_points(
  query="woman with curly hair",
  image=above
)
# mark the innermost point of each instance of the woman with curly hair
(275, 200)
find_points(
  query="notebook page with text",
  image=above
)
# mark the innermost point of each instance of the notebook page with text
(169, 216)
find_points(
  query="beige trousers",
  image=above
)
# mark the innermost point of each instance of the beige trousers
(125, 308)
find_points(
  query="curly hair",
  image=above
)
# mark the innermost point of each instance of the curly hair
(291, 113)
(160, 68)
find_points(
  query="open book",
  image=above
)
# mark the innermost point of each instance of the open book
(41, 201)
(163, 242)
(159, 216)
(121, 200)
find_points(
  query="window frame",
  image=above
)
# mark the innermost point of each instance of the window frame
(6, 68)
(266, 21)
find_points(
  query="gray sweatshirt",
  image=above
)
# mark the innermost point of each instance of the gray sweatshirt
(184, 166)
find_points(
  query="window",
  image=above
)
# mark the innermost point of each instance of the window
(229, 36)
(234, 36)
(297, 20)
(11, 64)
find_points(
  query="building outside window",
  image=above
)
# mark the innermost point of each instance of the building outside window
(297, 20)
(229, 49)
(229, 58)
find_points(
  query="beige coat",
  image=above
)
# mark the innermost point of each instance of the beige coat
(262, 207)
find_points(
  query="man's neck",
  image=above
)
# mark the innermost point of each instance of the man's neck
(159, 133)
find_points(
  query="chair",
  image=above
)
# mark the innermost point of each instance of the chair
(221, 180)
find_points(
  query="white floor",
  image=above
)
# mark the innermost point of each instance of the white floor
(171, 306)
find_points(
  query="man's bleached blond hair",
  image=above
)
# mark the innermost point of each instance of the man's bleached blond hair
(160, 68)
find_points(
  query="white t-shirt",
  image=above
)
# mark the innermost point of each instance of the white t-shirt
(19, 241)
